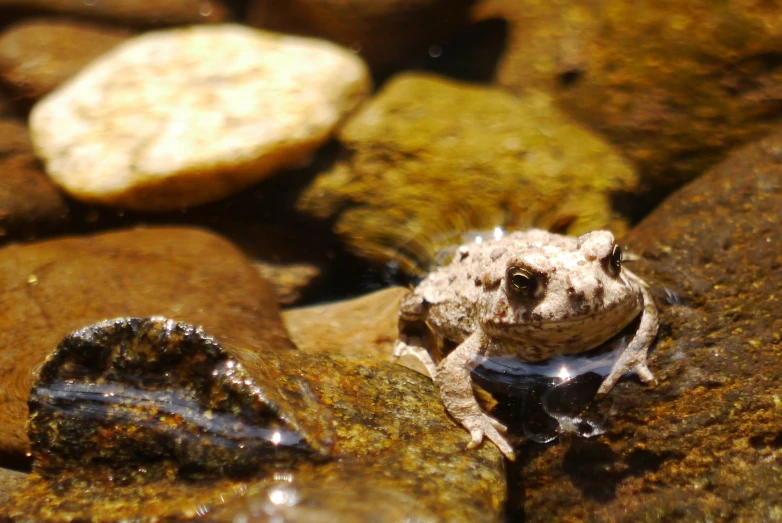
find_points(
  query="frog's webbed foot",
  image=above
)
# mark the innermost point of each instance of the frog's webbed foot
(633, 359)
(453, 380)
(405, 347)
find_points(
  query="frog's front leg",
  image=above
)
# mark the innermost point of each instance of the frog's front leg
(415, 337)
(453, 380)
(633, 358)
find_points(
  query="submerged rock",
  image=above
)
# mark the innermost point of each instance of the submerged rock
(152, 419)
(428, 158)
(182, 117)
(705, 443)
(36, 56)
(674, 85)
(54, 287)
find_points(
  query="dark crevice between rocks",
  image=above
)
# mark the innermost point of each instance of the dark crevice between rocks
(471, 55)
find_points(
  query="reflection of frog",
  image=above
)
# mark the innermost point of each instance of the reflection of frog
(530, 295)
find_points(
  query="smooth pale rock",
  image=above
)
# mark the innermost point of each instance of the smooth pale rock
(177, 118)
(52, 288)
(429, 157)
(36, 56)
(141, 12)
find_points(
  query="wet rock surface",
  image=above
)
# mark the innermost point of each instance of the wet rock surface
(395, 196)
(673, 85)
(36, 56)
(110, 136)
(115, 456)
(705, 442)
(54, 287)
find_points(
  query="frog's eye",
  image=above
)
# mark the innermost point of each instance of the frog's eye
(614, 261)
(520, 281)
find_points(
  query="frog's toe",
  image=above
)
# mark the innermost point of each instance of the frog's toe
(644, 374)
(490, 428)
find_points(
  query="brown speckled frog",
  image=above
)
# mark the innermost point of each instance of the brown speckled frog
(531, 295)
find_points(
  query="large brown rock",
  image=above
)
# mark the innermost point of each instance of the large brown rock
(672, 84)
(36, 56)
(384, 32)
(429, 158)
(705, 443)
(30, 204)
(55, 287)
(187, 427)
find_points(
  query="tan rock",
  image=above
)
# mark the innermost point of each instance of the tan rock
(177, 118)
(673, 84)
(289, 281)
(365, 326)
(36, 56)
(143, 12)
(430, 158)
(54, 287)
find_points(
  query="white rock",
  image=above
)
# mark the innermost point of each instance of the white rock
(181, 117)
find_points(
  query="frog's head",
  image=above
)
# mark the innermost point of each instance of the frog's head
(564, 297)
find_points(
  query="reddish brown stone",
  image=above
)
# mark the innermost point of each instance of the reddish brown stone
(36, 56)
(55, 287)
(30, 204)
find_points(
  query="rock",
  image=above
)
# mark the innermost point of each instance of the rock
(365, 326)
(395, 454)
(428, 157)
(386, 33)
(112, 136)
(289, 281)
(705, 443)
(135, 12)
(11, 481)
(673, 84)
(54, 287)
(36, 56)
(30, 204)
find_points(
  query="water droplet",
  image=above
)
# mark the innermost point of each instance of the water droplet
(32, 279)
(205, 9)
(435, 51)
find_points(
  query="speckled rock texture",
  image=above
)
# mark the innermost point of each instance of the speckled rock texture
(428, 157)
(136, 12)
(54, 287)
(706, 443)
(673, 84)
(30, 204)
(355, 440)
(228, 106)
(38, 55)
(386, 33)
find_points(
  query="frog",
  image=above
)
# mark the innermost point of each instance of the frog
(531, 295)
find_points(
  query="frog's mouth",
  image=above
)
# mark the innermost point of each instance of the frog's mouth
(542, 339)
